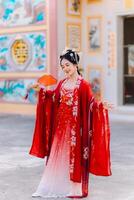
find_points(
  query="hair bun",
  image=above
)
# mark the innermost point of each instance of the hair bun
(71, 55)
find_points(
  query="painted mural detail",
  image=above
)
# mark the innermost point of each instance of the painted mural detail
(19, 51)
(15, 90)
(74, 7)
(95, 79)
(22, 12)
(94, 33)
(111, 49)
(25, 52)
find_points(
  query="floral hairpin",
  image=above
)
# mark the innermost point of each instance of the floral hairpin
(71, 53)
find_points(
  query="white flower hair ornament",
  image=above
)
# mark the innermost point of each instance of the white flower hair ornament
(72, 53)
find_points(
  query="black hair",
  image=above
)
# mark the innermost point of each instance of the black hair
(71, 56)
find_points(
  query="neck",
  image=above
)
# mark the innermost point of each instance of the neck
(74, 77)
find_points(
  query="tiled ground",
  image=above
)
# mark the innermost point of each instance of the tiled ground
(21, 173)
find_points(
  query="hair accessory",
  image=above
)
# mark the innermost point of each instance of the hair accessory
(71, 54)
(72, 50)
(65, 51)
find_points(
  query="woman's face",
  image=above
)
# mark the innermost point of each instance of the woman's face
(68, 68)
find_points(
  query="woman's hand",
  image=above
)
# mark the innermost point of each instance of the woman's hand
(107, 105)
(35, 86)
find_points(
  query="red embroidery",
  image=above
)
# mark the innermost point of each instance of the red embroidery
(68, 113)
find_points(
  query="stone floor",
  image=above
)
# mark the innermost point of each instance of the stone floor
(20, 173)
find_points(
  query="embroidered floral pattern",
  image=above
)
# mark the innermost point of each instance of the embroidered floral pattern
(69, 97)
(86, 153)
(69, 108)
(66, 96)
(72, 165)
(90, 133)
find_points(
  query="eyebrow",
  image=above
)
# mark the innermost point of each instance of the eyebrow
(65, 63)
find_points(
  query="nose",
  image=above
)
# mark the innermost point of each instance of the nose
(64, 68)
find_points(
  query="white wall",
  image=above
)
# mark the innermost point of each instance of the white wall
(62, 20)
(109, 10)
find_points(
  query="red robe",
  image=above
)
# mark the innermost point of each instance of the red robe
(92, 152)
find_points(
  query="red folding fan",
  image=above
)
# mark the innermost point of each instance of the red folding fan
(47, 80)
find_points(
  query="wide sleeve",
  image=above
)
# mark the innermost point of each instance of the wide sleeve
(42, 131)
(44, 124)
(100, 163)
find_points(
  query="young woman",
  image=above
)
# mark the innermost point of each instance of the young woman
(72, 131)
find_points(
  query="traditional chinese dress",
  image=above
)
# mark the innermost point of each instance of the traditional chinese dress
(63, 133)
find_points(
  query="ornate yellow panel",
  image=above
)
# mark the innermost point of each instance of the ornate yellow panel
(20, 51)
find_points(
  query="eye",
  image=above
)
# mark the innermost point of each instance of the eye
(62, 66)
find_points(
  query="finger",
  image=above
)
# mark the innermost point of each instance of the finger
(108, 107)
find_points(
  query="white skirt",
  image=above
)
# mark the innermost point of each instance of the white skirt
(55, 182)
